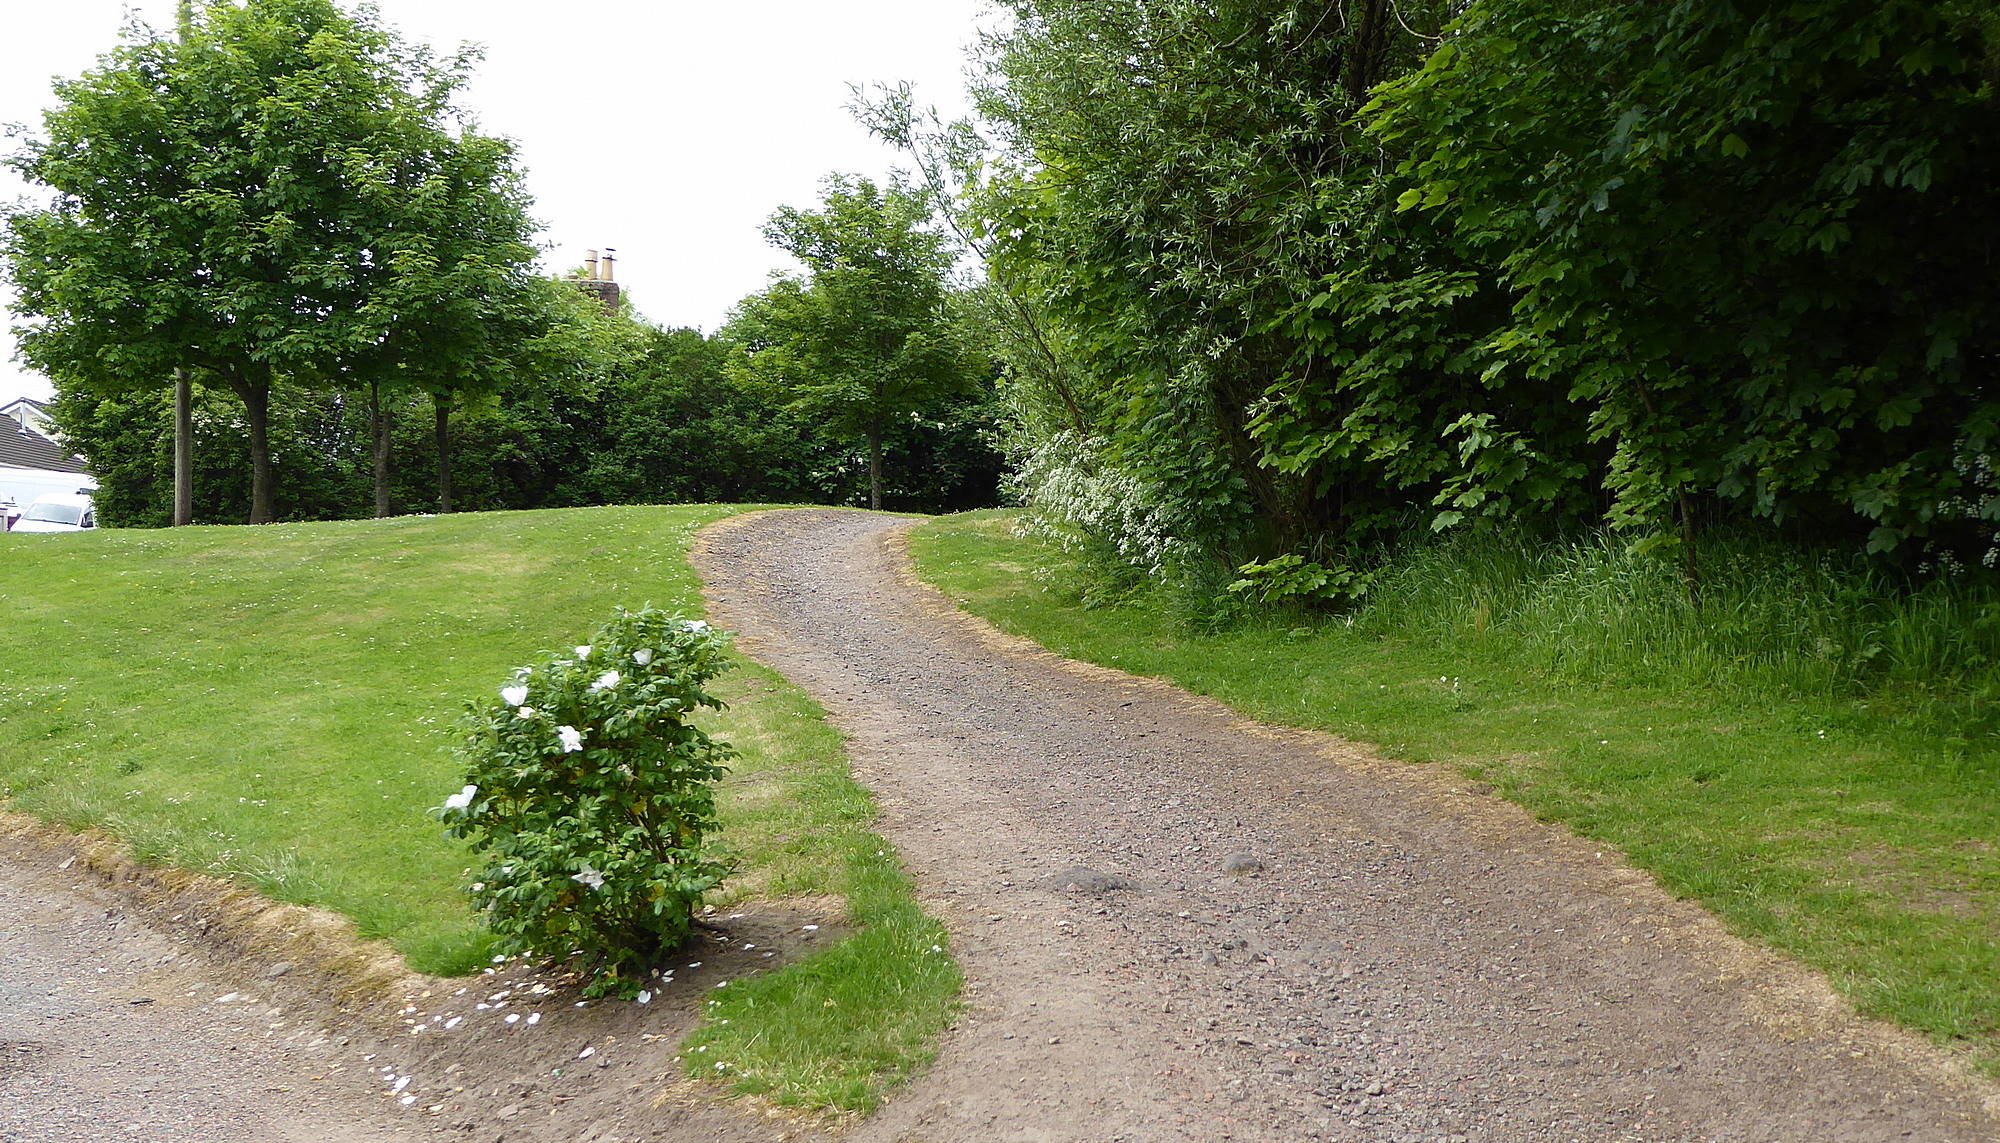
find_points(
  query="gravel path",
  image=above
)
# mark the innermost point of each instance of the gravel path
(110, 1030)
(1182, 926)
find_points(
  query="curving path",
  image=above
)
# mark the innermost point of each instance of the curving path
(1411, 961)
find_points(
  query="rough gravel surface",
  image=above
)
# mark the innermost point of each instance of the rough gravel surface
(126, 1018)
(109, 1030)
(1182, 926)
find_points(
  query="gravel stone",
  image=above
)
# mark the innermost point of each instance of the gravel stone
(1082, 879)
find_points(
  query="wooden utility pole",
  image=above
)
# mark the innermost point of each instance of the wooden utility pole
(184, 389)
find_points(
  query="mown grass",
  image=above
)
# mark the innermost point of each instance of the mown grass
(1835, 801)
(276, 705)
(838, 1028)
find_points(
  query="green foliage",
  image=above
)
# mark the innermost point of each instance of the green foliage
(591, 794)
(1293, 577)
(1736, 234)
(867, 339)
(274, 198)
(1181, 181)
(1292, 278)
(644, 415)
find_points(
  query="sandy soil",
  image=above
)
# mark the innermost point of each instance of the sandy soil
(1182, 926)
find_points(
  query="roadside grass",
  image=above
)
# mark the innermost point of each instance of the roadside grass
(276, 705)
(1835, 802)
(838, 1028)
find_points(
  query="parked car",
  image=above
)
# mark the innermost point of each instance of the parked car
(57, 513)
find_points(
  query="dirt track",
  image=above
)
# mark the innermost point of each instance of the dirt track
(1411, 962)
(1178, 925)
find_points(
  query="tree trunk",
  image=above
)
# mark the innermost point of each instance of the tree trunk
(442, 404)
(183, 448)
(378, 423)
(256, 396)
(875, 467)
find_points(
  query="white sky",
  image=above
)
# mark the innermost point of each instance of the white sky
(669, 129)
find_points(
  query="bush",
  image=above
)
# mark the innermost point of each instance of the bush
(591, 794)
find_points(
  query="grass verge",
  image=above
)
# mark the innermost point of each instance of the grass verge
(276, 705)
(838, 1028)
(1857, 829)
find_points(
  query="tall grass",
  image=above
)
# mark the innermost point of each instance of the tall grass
(1770, 619)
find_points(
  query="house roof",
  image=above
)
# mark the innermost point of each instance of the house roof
(26, 448)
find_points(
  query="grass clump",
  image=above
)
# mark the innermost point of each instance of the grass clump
(1811, 753)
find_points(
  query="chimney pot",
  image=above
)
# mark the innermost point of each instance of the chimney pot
(590, 264)
(610, 256)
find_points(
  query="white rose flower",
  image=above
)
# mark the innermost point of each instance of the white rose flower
(525, 712)
(643, 656)
(694, 625)
(461, 799)
(583, 651)
(513, 696)
(572, 738)
(588, 876)
(606, 681)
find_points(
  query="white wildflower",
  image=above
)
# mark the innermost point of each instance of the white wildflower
(572, 738)
(588, 876)
(461, 799)
(694, 626)
(513, 696)
(525, 712)
(606, 681)
(643, 656)
(583, 651)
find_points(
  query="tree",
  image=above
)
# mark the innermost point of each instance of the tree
(459, 304)
(1181, 190)
(866, 338)
(247, 203)
(1753, 242)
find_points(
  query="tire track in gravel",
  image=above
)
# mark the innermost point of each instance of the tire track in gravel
(1413, 962)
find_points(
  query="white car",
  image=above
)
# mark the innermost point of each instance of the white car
(57, 514)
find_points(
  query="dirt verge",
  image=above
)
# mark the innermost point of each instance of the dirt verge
(150, 1003)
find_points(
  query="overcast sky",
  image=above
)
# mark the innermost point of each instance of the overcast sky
(669, 129)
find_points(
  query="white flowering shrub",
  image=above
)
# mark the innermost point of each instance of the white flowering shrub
(590, 794)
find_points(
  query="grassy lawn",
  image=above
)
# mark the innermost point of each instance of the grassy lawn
(277, 705)
(1849, 831)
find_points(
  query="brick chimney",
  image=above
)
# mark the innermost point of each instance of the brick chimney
(601, 282)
